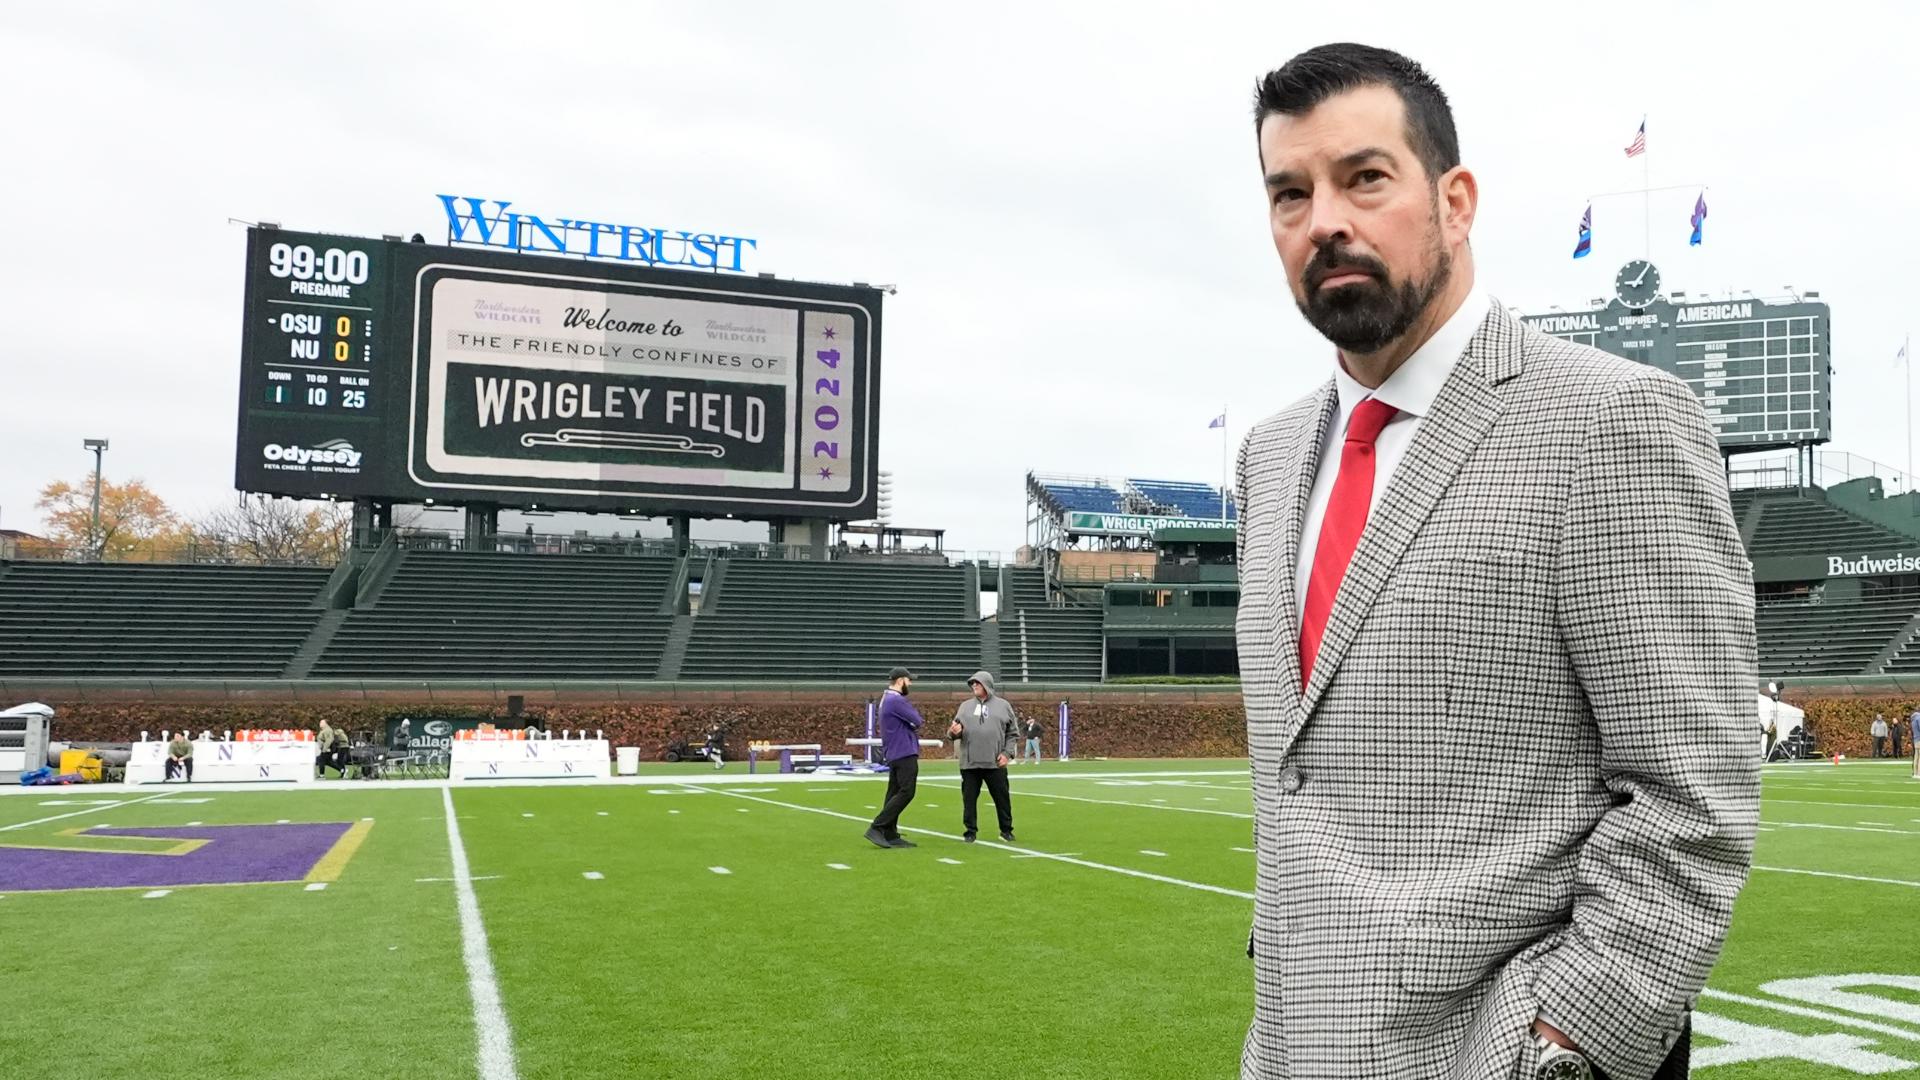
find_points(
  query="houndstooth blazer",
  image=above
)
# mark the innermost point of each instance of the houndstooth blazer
(1522, 781)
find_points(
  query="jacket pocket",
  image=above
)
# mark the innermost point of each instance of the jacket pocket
(1447, 957)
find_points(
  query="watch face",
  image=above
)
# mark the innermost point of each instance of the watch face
(1637, 284)
(1567, 1068)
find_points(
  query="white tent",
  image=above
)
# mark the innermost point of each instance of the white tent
(14, 760)
(1785, 718)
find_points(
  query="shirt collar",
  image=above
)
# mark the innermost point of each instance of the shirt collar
(1415, 384)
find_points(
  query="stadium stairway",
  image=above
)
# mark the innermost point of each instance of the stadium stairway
(1784, 522)
(778, 619)
(1042, 642)
(484, 615)
(673, 655)
(162, 620)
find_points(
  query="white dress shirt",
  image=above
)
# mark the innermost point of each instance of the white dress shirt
(1411, 389)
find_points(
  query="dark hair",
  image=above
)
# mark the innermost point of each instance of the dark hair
(1302, 83)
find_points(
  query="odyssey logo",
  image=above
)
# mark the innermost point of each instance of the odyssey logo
(332, 452)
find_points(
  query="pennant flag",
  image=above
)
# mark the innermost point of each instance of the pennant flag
(1218, 421)
(1585, 247)
(1639, 144)
(1901, 356)
(1699, 218)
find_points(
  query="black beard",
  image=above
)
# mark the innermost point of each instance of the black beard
(1368, 316)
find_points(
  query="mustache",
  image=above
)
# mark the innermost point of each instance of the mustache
(1331, 258)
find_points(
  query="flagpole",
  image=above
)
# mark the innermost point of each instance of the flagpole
(1906, 354)
(1646, 192)
(1223, 464)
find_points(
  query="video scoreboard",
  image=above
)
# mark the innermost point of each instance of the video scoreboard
(1760, 369)
(406, 372)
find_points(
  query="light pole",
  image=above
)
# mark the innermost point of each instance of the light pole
(99, 448)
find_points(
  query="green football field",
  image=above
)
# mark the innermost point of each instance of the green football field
(743, 929)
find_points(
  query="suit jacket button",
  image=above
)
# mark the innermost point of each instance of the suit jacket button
(1290, 780)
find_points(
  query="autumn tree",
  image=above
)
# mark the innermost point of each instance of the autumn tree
(265, 530)
(135, 523)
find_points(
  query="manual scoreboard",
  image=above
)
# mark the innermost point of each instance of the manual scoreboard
(407, 372)
(1761, 369)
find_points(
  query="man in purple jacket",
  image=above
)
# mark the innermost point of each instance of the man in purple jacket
(900, 745)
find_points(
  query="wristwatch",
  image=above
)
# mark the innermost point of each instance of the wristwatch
(1559, 1063)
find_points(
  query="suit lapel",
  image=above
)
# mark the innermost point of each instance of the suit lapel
(1302, 464)
(1465, 409)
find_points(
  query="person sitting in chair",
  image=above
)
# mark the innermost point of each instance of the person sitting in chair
(180, 757)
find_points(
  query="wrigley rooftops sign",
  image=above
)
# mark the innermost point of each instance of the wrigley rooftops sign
(1089, 524)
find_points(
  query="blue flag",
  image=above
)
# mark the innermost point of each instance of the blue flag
(1699, 218)
(1585, 247)
(1218, 421)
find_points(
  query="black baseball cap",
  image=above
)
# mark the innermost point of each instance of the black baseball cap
(899, 673)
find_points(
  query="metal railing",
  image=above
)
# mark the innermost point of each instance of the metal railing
(197, 553)
(1102, 575)
(1830, 468)
(532, 543)
(417, 539)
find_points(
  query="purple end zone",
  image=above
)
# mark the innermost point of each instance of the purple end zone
(237, 853)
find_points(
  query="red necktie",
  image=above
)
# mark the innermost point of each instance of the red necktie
(1340, 528)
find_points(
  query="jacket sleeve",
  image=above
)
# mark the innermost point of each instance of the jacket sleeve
(1656, 609)
(1239, 570)
(1010, 733)
(909, 715)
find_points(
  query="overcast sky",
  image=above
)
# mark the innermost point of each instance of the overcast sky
(1067, 197)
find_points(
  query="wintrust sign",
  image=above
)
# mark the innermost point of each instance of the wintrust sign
(489, 223)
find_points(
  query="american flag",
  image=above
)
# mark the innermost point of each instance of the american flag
(1639, 144)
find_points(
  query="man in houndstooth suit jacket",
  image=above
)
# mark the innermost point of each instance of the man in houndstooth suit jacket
(1527, 541)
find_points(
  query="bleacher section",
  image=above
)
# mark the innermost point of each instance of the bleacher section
(1180, 498)
(114, 620)
(479, 615)
(1066, 495)
(771, 619)
(1043, 643)
(1817, 636)
(1791, 524)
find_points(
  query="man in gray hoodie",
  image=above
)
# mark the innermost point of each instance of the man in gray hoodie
(985, 730)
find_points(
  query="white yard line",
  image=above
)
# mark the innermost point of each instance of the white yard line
(155, 894)
(1843, 877)
(1860, 805)
(1815, 1014)
(495, 1037)
(593, 875)
(317, 886)
(1839, 828)
(1121, 802)
(1132, 775)
(1069, 860)
(77, 813)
